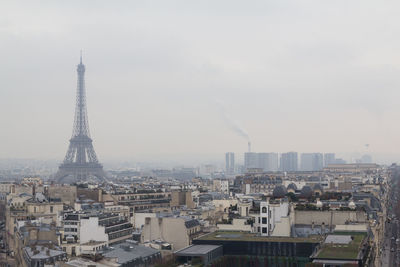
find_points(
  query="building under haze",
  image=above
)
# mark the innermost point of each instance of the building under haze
(289, 162)
(268, 161)
(311, 162)
(329, 158)
(230, 162)
(366, 159)
(264, 161)
(250, 160)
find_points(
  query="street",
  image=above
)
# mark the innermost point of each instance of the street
(390, 252)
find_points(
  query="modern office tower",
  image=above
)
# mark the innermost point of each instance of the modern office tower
(340, 161)
(289, 161)
(268, 161)
(329, 158)
(250, 160)
(230, 162)
(318, 161)
(366, 159)
(80, 162)
(311, 162)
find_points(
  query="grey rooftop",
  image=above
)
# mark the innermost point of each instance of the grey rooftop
(196, 250)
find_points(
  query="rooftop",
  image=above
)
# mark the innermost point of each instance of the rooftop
(127, 252)
(338, 250)
(245, 236)
(195, 250)
(41, 252)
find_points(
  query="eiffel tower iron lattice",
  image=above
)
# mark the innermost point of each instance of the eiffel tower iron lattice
(80, 162)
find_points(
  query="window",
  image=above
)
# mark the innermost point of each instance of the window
(264, 230)
(51, 209)
(264, 220)
(264, 209)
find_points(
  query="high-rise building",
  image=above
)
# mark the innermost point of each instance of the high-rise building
(366, 159)
(311, 162)
(268, 161)
(250, 160)
(289, 161)
(329, 158)
(230, 162)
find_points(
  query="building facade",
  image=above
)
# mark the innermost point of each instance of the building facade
(230, 163)
(289, 162)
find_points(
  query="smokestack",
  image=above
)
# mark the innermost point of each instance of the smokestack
(249, 144)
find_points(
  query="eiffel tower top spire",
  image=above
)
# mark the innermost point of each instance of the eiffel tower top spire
(81, 123)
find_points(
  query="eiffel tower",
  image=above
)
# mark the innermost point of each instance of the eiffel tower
(80, 163)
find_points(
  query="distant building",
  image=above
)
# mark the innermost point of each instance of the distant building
(329, 158)
(311, 162)
(250, 160)
(264, 161)
(182, 198)
(230, 163)
(221, 186)
(289, 161)
(268, 161)
(340, 161)
(32, 181)
(7, 188)
(66, 193)
(355, 167)
(366, 159)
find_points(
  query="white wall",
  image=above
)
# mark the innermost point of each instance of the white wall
(90, 230)
(237, 225)
(139, 218)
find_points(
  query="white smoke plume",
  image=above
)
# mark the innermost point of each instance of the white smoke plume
(234, 125)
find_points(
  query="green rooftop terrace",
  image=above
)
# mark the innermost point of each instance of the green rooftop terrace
(342, 251)
(246, 236)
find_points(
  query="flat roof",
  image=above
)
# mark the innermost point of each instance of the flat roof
(195, 250)
(42, 252)
(246, 236)
(127, 252)
(348, 251)
(338, 239)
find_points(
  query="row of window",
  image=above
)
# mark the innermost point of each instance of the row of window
(70, 223)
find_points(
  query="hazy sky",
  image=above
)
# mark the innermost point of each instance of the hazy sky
(296, 75)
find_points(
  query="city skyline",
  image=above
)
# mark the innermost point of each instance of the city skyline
(162, 79)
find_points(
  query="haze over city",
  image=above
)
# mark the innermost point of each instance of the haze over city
(199, 133)
(307, 76)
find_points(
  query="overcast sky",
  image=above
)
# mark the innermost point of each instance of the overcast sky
(296, 75)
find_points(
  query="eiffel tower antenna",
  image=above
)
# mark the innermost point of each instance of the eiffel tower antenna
(81, 161)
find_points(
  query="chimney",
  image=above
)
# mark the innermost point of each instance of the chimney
(249, 145)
